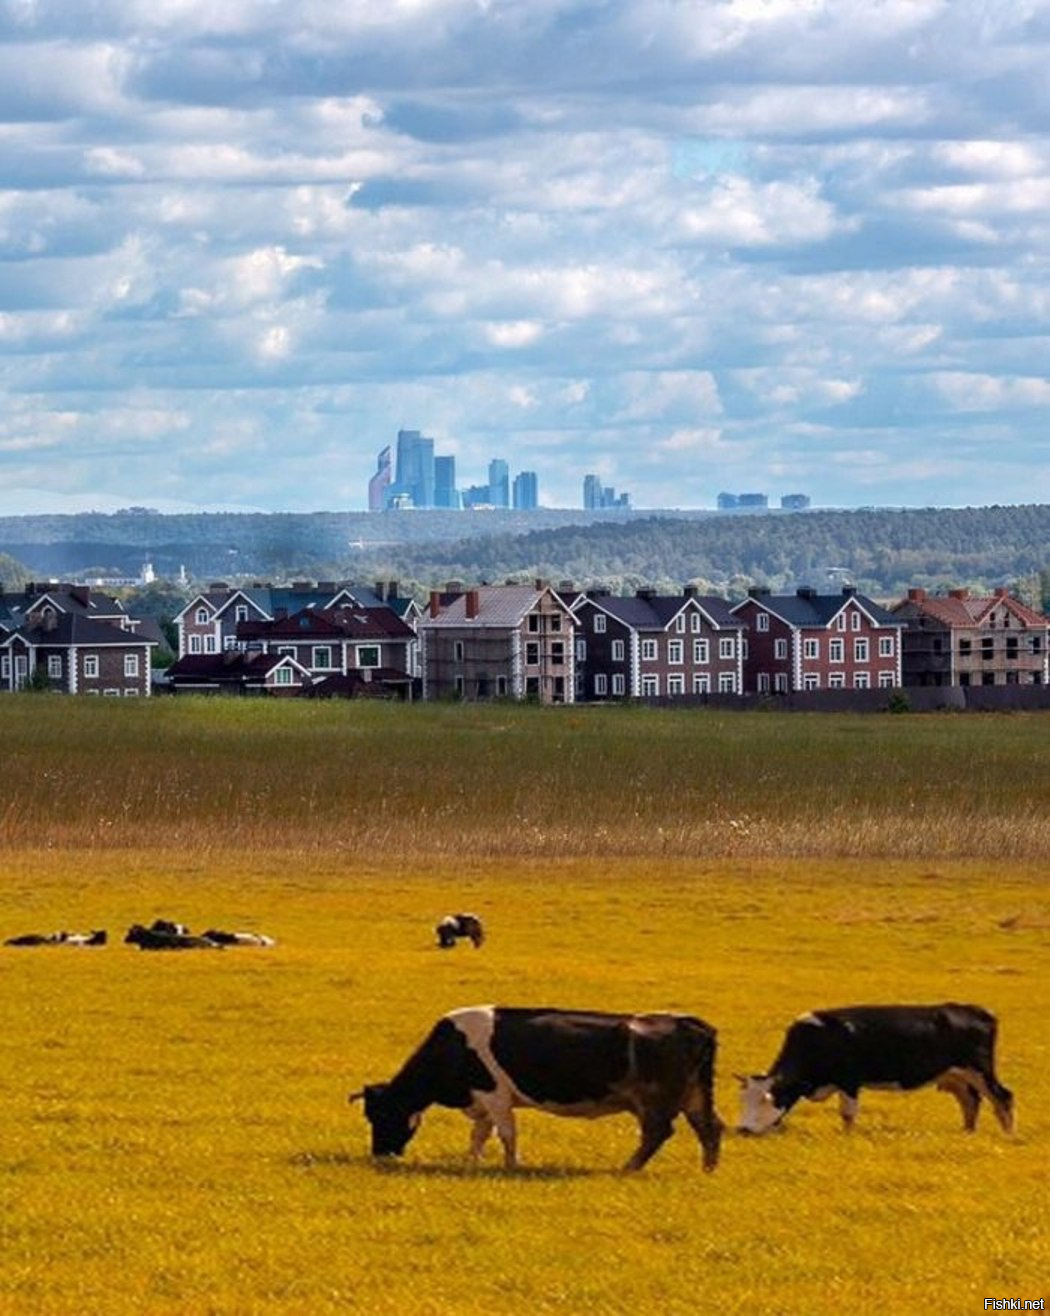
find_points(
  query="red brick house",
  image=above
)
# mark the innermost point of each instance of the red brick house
(812, 641)
(653, 646)
(959, 639)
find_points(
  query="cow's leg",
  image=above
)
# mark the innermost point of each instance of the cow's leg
(479, 1134)
(657, 1127)
(966, 1093)
(703, 1120)
(848, 1107)
(507, 1129)
(1002, 1099)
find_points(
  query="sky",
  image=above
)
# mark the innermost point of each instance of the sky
(690, 246)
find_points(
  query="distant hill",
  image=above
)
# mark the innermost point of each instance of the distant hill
(881, 550)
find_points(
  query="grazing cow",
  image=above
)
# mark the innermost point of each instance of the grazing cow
(454, 926)
(238, 938)
(154, 939)
(901, 1047)
(167, 926)
(486, 1060)
(95, 938)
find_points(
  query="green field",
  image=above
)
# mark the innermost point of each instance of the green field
(176, 1137)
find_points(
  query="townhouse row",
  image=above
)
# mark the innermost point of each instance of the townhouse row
(531, 641)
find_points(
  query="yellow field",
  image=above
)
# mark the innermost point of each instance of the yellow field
(176, 1139)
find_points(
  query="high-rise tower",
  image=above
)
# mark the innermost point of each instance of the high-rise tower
(380, 482)
(499, 483)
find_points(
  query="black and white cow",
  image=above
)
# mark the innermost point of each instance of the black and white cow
(900, 1047)
(486, 1060)
(222, 938)
(454, 926)
(97, 937)
(155, 938)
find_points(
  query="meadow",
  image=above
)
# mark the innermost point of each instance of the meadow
(175, 1133)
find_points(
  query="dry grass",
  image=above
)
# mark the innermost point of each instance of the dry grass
(175, 1138)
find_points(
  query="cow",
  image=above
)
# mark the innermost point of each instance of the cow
(95, 938)
(900, 1047)
(158, 939)
(238, 938)
(486, 1060)
(454, 926)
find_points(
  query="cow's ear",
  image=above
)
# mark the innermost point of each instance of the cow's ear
(742, 1079)
(356, 1096)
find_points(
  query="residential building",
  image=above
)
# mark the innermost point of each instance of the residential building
(492, 641)
(959, 639)
(653, 646)
(812, 641)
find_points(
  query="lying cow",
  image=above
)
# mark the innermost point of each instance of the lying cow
(154, 938)
(486, 1060)
(901, 1047)
(238, 938)
(96, 938)
(455, 926)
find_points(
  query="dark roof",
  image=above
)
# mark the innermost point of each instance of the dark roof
(808, 609)
(378, 623)
(73, 628)
(655, 612)
(229, 667)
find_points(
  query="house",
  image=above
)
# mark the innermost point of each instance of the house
(209, 622)
(75, 640)
(812, 641)
(338, 651)
(959, 639)
(512, 641)
(656, 646)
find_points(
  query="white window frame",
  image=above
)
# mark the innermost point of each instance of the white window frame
(762, 621)
(131, 664)
(675, 653)
(618, 651)
(780, 649)
(885, 646)
(54, 665)
(861, 649)
(701, 652)
(727, 646)
(727, 683)
(676, 684)
(601, 683)
(701, 683)
(862, 680)
(649, 651)
(599, 623)
(811, 648)
(836, 651)
(91, 666)
(619, 683)
(650, 686)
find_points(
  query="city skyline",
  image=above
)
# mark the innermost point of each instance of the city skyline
(683, 247)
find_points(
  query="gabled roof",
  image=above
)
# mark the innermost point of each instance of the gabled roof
(656, 612)
(806, 609)
(231, 666)
(72, 628)
(78, 600)
(498, 605)
(962, 611)
(378, 623)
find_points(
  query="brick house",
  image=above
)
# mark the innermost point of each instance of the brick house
(959, 639)
(656, 646)
(812, 641)
(492, 641)
(82, 641)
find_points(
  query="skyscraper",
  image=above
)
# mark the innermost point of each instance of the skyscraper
(592, 492)
(525, 491)
(499, 483)
(380, 482)
(415, 468)
(445, 492)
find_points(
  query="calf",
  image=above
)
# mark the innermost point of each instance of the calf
(901, 1047)
(486, 1060)
(238, 938)
(454, 926)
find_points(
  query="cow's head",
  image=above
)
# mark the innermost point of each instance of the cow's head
(392, 1125)
(758, 1110)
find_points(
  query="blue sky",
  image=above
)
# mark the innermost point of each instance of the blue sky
(689, 245)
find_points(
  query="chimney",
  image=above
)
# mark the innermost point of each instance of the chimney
(472, 603)
(690, 592)
(758, 591)
(392, 590)
(646, 592)
(806, 592)
(380, 590)
(916, 595)
(1001, 592)
(849, 591)
(540, 583)
(958, 593)
(435, 602)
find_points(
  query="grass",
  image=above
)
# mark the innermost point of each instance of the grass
(175, 1134)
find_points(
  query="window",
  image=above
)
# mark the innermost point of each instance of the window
(861, 680)
(130, 691)
(368, 654)
(501, 685)
(780, 649)
(201, 616)
(860, 650)
(811, 648)
(91, 665)
(581, 651)
(5, 666)
(283, 676)
(649, 652)
(617, 651)
(211, 644)
(618, 683)
(701, 683)
(322, 656)
(286, 650)
(837, 651)
(762, 621)
(599, 623)
(965, 647)
(532, 653)
(601, 683)
(240, 613)
(726, 683)
(676, 684)
(855, 620)
(457, 685)
(840, 621)
(727, 647)
(885, 646)
(650, 686)
(886, 680)
(675, 652)
(195, 644)
(701, 652)
(694, 622)
(811, 681)
(532, 687)
(679, 623)
(837, 681)
(763, 683)
(131, 664)
(780, 682)
(534, 622)
(1035, 644)
(558, 653)
(457, 651)
(555, 621)
(987, 648)
(1011, 646)
(54, 664)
